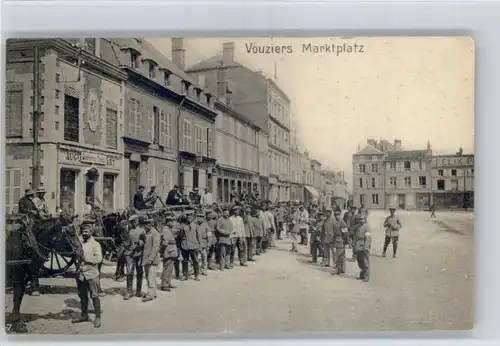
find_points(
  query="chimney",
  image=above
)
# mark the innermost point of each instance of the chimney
(178, 53)
(397, 145)
(228, 53)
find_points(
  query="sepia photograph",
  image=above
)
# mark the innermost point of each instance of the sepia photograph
(239, 185)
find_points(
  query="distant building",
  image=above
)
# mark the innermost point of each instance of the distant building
(368, 177)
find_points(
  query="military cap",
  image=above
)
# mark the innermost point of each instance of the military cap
(29, 192)
(200, 214)
(41, 190)
(133, 217)
(169, 217)
(87, 221)
(144, 219)
(337, 210)
(212, 215)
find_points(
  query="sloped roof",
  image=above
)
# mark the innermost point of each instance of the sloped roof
(211, 63)
(407, 155)
(369, 150)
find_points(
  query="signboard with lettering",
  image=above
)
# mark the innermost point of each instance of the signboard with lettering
(88, 157)
(453, 161)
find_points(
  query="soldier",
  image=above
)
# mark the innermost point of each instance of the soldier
(26, 204)
(350, 220)
(340, 240)
(327, 236)
(392, 226)
(169, 253)
(238, 238)
(212, 240)
(87, 274)
(139, 203)
(303, 225)
(151, 198)
(40, 203)
(249, 235)
(190, 244)
(205, 238)
(133, 257)
(150, 256)
(316, 226)
(223, 232)
(362, 246)
(257, 225)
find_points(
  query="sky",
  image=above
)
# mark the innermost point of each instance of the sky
(415, 89)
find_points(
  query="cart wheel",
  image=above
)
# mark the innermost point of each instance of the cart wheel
(57, 264)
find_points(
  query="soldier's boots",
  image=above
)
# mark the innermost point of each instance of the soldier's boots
(197, 278)
(84, 316)
(185, 277)
(383, 254)
(127, 296)
(81, 319)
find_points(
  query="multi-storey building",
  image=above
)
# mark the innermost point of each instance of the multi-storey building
(452, 180)
(170, 119)
(80, 101)
(264, 103)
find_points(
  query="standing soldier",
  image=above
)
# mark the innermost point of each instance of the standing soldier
(316, 226)
(133, 257)
(212, 240)
(169, 252)
(340, 240)
(150, 256)
(238, 240)
(205, 234)
(327, 236)
(87, 275)
(258, 228)
(223, 232)
(190, 244)
(362, 245)
(249, 235)
(350, 220)
(303, 225)
(392, 226)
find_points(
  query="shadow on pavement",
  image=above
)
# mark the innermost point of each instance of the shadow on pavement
(444, 227)
(63, 315)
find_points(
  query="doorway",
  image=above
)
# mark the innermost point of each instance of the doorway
(67, 187)
(196, 178)
(133, 180)
(401, 201)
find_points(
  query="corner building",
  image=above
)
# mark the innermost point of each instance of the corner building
(81, 125)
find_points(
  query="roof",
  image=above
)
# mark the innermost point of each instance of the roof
(407, 155)
(211, 63)
(369, 150)
(148, 51)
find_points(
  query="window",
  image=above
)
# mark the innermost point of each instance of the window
(275, 138)
(362, 168)
(14, 113)
(13, 180)
(407, 165)
(392, 166)
(361, 182)
(454, 185)
(393, 182)
(440, 172)
(169, 134)
(374, 168)
(373, 183)
(134, 59)
(375, 198)
(157, 124)
(199, 139)
(472, 172)
(454, 172)
(166, 78)
(407, 181)
(71, 118)
(422, 181)
(152, 71)
(108, 191)
(111, 128)
(209, 143)
(186, 143)
(440, 184)
(67, 191)
(361, 199)
(421, 166)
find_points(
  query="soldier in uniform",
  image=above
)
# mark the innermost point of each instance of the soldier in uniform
(362, 246)
(169, 252)
(133, 257)
(205, 234)
(212, 240)
(238, 238)
(257, 225)
(40, 203)
(249, 235)
(327, 235)
(316, 226)
(223, 232)
(190, 244)
(350, 220)
(392, 226)
(340, 240)
(150, 256)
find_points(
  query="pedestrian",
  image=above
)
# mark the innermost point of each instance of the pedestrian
(350, 220)
(139, 203)
(150, 255)
(169, 252)
(362, 246)
(238, 238)
(433, 211)
(257, 225)
(205, 234)
(327, 236)
(249, 235)
(340, 239)
(212, 240)
(315, 228)
(133, 257)
(87, 274)
(223, 232)
(190, 244)
(303, 225)
(392, 226)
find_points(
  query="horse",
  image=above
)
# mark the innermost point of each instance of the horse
(29, 241)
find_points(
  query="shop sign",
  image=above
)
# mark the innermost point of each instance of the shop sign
(453, 161)
(235, 175)
(89, 157)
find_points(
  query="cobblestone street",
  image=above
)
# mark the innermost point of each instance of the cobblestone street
(429, 286)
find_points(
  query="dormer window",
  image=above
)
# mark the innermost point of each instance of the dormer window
(134, 59)
(185, 87)
(198, 93)
(209, 99)
(166, 78)
(152, 71)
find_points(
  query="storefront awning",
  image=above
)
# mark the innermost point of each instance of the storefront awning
(312, 191)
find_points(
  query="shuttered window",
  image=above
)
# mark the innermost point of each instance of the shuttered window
(71, 118)
(12, 186)
(148, 124)
(199, 139)
(162, 128)
(132, 104)
(169, 132)
(111, 128)
(186, 142)
(14, 113)
(139, 118)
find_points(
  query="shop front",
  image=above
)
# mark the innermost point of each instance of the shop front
(89, 175)
(240, 179)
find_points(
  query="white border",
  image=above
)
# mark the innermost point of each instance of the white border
(479, 19)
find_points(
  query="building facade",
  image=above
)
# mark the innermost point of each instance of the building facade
(452, 181)
(170, 119)
(81, 124)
